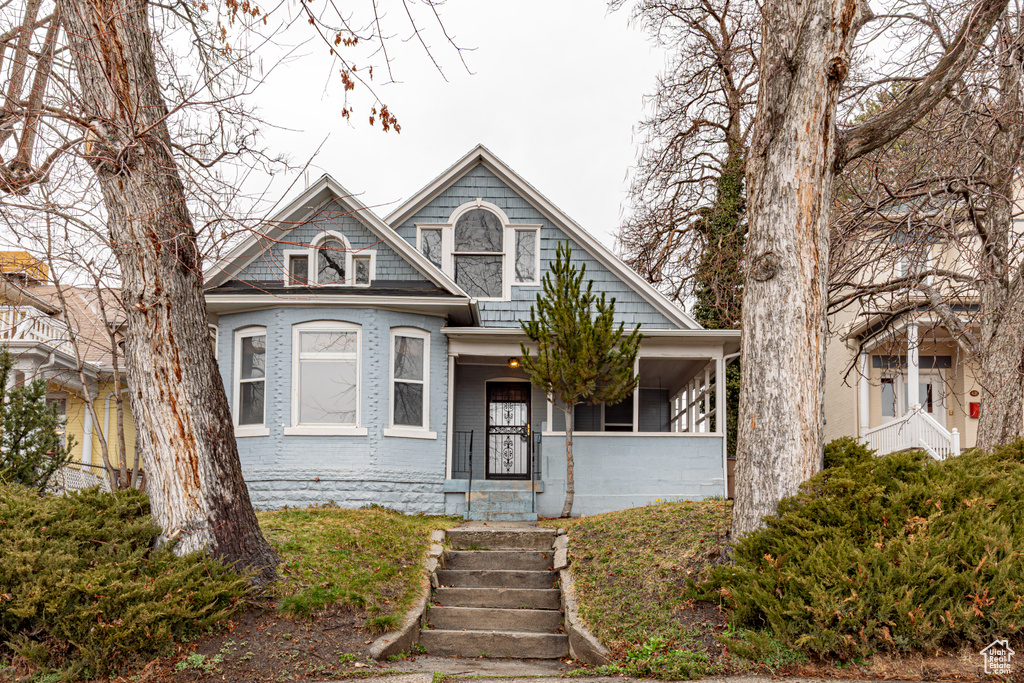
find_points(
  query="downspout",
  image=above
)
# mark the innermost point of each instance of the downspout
(87, 437)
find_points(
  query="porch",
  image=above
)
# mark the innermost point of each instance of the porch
(915, 391)
(506, 445)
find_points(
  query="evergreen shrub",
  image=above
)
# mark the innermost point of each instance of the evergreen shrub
(81, 585)
(887, 553)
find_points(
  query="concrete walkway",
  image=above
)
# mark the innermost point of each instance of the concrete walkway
(480, 676)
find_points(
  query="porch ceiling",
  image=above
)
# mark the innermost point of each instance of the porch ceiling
(669, 373)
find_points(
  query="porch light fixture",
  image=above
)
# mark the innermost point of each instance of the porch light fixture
(513, 362)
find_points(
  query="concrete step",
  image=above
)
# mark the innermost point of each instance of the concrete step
(496, 578)
(490, 619)
(505, 485)
(500, 539)
(495, 497)
(507, 598)
(494, 644)
(527, 560)
(492, 516)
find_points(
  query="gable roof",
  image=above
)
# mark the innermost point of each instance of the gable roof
(604, 255)
(305, 206)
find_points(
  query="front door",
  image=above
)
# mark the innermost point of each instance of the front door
(896, 397)
(508, 430)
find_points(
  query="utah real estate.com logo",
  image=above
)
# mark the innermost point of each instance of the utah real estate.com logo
(997, 658)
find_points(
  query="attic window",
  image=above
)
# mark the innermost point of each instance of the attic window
(482, 250)
(298, 269)
(330, 263)
(329, 260)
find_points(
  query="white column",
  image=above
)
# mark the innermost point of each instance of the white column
(865, 394)
(720, 423)
(87, 437)
(450, 448)
(913, 367)
(636, 396)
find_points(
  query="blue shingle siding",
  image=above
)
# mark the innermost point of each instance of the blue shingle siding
(401, 473)
(630, 307)
(269, 267)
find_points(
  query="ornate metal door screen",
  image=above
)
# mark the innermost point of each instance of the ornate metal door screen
(508, 430)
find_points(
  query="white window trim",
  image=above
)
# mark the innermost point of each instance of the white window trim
(409, 431)
(289, 254)
(535, 229)
(507, 247)
(254, 429)
(371, 254)
(296, 428)
(312, 252)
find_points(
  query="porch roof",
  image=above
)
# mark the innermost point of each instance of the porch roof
(665, 343)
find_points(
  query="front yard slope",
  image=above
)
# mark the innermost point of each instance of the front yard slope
(369, 560)
(631, 570)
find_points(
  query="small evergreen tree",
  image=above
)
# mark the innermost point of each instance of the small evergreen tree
(30, 445)
(582, 356)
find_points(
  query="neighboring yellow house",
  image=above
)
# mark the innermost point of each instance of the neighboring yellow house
(76, 360)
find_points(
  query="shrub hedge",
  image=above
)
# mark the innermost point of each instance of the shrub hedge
(887, 553)
(81, 585)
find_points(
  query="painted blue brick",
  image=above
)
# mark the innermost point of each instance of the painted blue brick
(407, 474)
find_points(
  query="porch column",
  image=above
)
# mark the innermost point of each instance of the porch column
(722, 426)
(865, 394)
(449, 447)
(87, 436)
(913, 367)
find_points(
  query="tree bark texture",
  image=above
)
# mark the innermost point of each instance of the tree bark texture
(1001, 342)
(194, 477)
(805, 56)
(570, 481)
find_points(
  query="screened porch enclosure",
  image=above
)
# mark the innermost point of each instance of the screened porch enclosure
(503, 427)
(676, 395)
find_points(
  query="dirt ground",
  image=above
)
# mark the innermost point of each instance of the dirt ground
(260, 644)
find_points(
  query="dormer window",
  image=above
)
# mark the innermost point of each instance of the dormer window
(330, 261)
(483, 251)
(479, 254)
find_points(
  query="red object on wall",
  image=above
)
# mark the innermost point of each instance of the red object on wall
(975, 410)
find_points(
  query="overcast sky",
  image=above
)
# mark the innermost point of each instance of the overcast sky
(556, 92)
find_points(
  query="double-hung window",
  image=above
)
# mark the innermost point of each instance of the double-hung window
(478, 254)
(325, 379)
(250, 381)
(410, 383)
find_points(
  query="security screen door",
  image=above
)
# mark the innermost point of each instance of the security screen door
(508, 430)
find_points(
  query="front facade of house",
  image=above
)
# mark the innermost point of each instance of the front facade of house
(376, 361)
(73, 353)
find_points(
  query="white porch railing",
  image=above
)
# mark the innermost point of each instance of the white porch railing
(916, 429)
(25, 323)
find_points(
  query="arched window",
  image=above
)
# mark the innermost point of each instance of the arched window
(478, 257)
(482, 250)
(331, 257)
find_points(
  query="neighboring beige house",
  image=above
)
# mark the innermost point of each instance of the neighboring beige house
(901, 380)
(35, 330)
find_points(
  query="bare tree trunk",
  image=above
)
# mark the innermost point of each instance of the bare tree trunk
(791, 165)
(1002, 295)
(570, 480)
(805, 55)
(194, 477)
